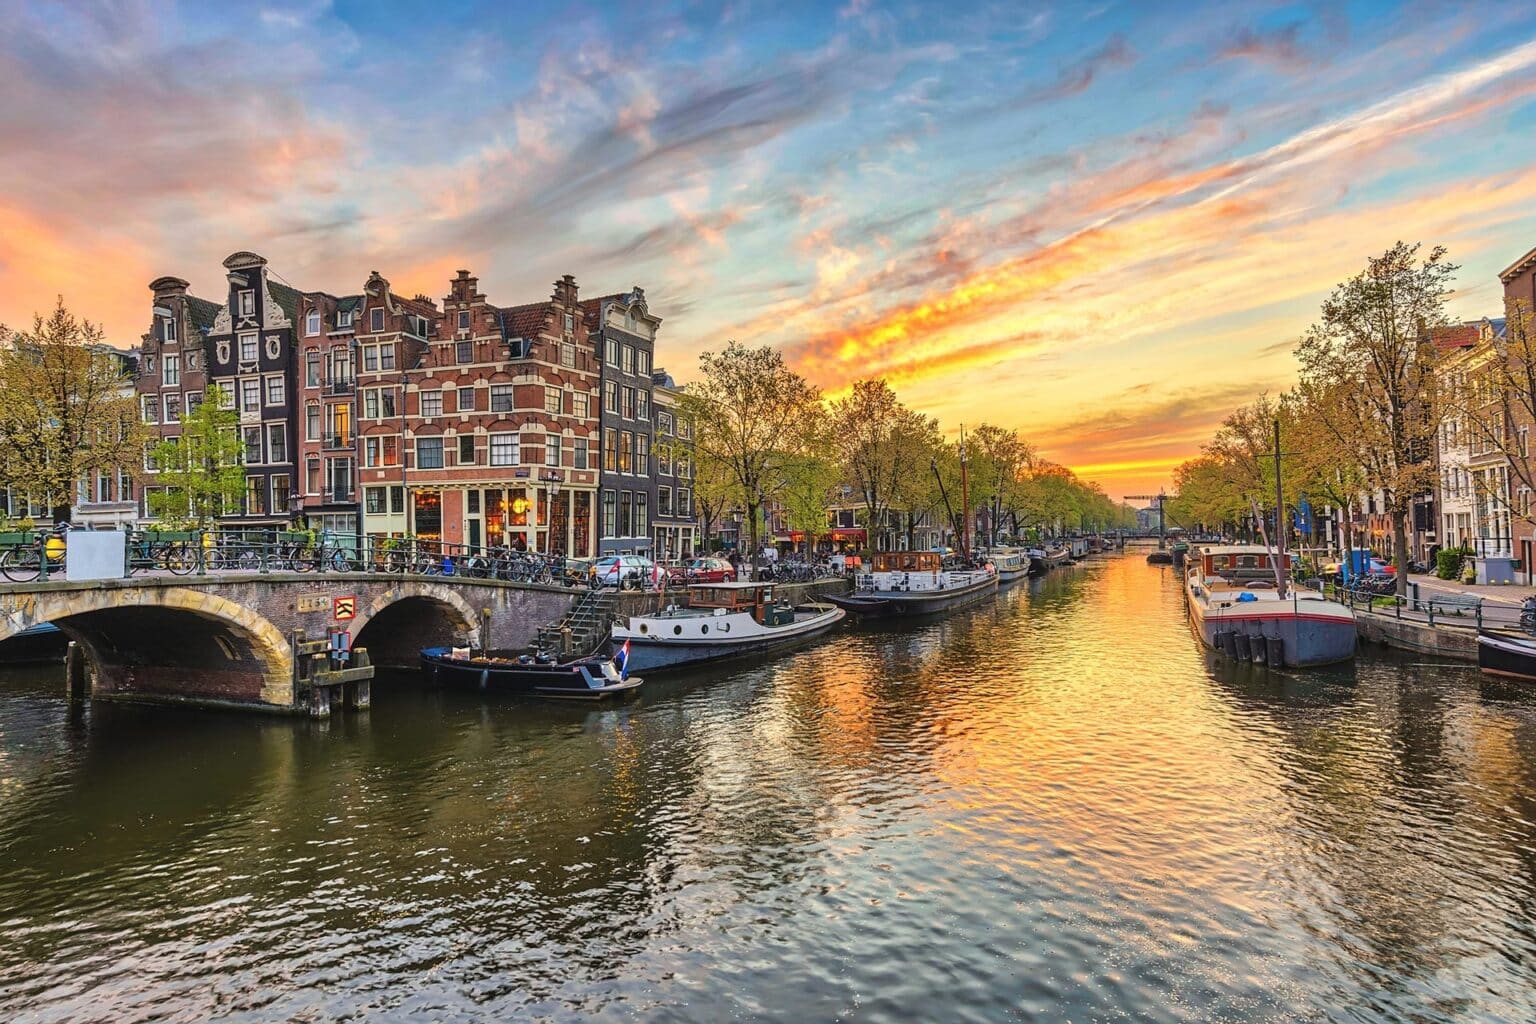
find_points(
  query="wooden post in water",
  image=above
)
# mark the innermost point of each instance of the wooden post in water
(358, 694)
(75, 685)
(1280, 573)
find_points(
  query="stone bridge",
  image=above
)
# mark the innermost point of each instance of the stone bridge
(228, 639)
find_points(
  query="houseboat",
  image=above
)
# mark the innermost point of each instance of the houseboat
(528, 673)
(720, 620)
(1235, 607)
(916, 583)
(1011, 564)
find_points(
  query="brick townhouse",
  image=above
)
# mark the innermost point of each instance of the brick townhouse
(674, 528)
(340, 336)
(486, 432)
(1519, 281)
(173, 370)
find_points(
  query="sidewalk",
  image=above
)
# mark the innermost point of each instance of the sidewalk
(1503, 594)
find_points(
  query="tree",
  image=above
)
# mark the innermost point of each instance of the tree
(880, 445)
(1325, 467)
(67, 410)
(808, 485)
(999, 460)
(1375, 332)
(200, 472)
(750, 414)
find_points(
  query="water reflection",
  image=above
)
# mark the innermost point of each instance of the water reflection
(1056, 806)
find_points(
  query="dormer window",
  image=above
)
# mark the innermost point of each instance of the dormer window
(344, 319)
(168, 329)
(423, 327)
(312, 323)
(376, 319)
(248, 302)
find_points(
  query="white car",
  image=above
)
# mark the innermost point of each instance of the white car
(632, 571)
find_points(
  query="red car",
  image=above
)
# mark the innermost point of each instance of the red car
(705, 570)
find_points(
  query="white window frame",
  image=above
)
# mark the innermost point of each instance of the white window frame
(312, 323)
(247, 301)
(509, 443)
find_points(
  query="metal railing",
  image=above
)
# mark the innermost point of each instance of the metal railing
(208, 552)
(337, 442)
(340, 385)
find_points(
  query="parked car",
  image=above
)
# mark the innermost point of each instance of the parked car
(704, 570)
(626, 571)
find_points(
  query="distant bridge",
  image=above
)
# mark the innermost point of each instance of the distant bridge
(228, 639)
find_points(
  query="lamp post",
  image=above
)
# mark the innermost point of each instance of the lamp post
(404, 487)
(550, 478)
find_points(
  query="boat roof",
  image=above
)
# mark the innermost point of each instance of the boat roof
(1236, 549)
(736, 585)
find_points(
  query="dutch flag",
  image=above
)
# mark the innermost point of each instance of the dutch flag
(623, 659)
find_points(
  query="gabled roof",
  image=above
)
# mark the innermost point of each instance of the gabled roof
(1454, 336)
(525, 321)
(286, 298)
(202, 312)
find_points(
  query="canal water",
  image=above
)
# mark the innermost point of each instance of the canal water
(1052, 808)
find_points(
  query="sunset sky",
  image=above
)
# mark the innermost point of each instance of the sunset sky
(1103, 224)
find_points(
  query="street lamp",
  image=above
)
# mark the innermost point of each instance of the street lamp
(404, 487)
(552, 477)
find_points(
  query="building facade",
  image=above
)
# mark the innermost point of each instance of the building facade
(624, 333)
(250, 351)
(172, 373)
(483, 433)
(674, 530)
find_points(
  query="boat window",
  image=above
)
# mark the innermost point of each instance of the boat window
(725, 627)
(704, 628)
(644, 628)
(677, 630)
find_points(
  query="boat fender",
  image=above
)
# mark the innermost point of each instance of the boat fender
(1276, 652)
(1244, 647)
(1260, 651)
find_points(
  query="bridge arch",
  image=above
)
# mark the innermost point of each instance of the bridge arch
(396, 624)
(165, 641)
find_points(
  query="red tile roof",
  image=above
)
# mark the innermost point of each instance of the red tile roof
(1454, 336)
(526, 321)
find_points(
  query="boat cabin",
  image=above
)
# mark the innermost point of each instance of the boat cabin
(1248, 564)
(907, 561)
(756, 599)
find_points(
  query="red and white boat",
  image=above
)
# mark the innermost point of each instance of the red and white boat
(1236, 605)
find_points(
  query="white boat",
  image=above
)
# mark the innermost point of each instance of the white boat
(720, 620)
(1236, 608)
(1011, 563)
(915, 583)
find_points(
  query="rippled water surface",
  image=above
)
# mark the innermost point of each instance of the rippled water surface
(1056, 807)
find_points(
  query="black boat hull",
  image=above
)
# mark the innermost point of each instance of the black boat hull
(1507, 653)
(885, 605)
(582, 679)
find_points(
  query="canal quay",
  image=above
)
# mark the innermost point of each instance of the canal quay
(1052, 806)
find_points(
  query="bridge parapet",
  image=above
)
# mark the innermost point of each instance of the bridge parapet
(226, 639)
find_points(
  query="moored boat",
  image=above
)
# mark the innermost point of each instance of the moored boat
(1235, 606)
(1507, 652)
(591, 677)
(915, 583)
(720, 620)
(1011, 563)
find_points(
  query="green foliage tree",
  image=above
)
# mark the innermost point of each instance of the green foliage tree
(200, 473)
(752, 415)
(67, 409)
(1375, 332)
